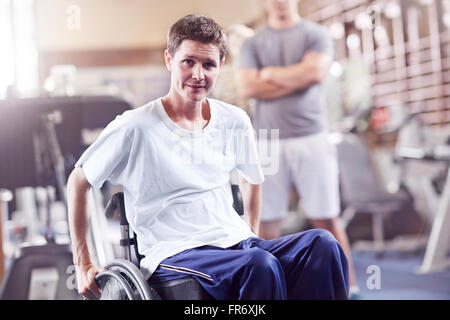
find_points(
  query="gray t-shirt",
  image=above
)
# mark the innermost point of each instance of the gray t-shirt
(304, 111)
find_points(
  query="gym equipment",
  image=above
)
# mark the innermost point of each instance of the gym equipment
(45, 270)
(358, 174)
(40, 272)
(124, 280)
(436, 254)
(362, 192)
(5, 197)
(37, 269)
(412, 143)
(23, 117)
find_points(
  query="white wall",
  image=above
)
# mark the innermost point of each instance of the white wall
(108, 24)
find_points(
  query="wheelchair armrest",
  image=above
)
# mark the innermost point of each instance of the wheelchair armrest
(116, 203)
(238, 203)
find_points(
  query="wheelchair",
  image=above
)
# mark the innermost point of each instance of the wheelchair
(123, 279)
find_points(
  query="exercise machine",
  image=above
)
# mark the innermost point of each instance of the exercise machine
(392, 214)
(44, 269)
(5, 197)
(436, 254)
(38, 270)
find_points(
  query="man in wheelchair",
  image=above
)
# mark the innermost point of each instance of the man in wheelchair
(173, 157)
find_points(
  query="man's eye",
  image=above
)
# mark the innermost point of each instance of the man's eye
(209, 65)
(189, 61)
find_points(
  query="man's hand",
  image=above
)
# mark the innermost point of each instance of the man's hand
(87, 287)
(267, 73)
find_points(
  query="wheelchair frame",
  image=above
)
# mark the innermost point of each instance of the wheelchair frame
(130, 277)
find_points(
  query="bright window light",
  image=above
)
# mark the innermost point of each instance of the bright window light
(353, 41)
(6, 48)
(18, 52)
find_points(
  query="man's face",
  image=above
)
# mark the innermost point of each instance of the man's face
(194, 69)
(281, 8)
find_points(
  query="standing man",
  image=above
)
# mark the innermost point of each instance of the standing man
(283, 67)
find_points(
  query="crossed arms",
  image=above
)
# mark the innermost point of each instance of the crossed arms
(274, 82)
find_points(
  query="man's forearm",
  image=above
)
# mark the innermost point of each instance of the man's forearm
(252, 204)
(77, 194)
(252, 86)
(312, 69)
(298, 76)
(268, 91)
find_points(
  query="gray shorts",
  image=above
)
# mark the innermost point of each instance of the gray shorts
(310, 165)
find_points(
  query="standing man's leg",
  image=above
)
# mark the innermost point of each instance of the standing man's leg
(318, 184)
(270, 229)
(275, 193)
(334, 225)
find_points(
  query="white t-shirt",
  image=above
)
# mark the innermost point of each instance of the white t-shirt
(176, 182)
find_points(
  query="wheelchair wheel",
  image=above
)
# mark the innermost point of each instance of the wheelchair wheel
(114, 286)
(124, 281)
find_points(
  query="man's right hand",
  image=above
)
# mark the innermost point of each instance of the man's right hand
(87, 287)
(77, 203)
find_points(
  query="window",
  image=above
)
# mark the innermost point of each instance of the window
(18, 52)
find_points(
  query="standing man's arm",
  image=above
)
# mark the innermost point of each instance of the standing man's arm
(248, 79)
(312, 69)
(275, 82)
(251, 194)
(77, 196)
(251, 85)
(267, 83)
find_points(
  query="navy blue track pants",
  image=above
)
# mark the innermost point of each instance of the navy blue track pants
(305, 265)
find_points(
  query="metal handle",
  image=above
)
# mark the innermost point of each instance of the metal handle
(134, 274)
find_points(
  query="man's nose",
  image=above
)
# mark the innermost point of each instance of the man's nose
(197, 73)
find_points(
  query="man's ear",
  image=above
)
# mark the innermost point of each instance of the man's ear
(168, 60)
(222, 62)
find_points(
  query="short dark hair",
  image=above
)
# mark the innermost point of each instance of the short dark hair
(197, 28)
